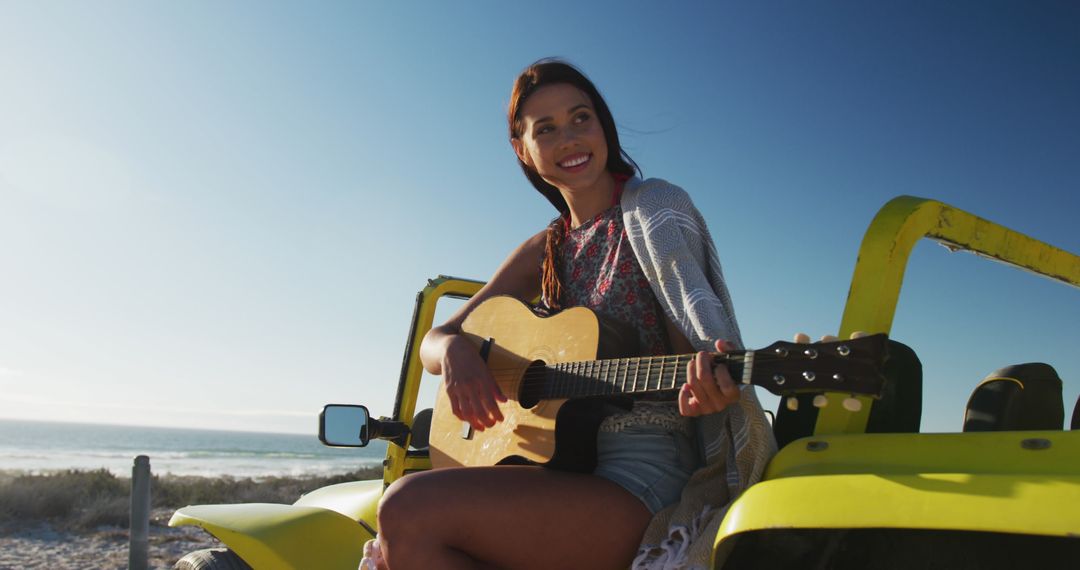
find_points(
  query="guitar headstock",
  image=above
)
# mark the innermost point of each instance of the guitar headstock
(853, 366)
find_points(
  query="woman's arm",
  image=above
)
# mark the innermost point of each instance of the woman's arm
(473, 393)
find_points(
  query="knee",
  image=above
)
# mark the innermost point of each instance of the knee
(401, 507)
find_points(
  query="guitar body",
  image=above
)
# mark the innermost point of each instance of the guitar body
(526, 434)
(560, 373)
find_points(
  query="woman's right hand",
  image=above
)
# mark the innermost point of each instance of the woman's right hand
(474, 395)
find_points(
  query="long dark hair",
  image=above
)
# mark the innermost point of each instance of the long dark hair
(550, 72)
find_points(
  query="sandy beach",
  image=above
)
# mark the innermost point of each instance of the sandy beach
(39, 545)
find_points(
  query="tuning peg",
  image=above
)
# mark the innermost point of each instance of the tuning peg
(828, 338)
(802, 338)
(820, 401)
(852, 404)
(859, 334)
(792, 403)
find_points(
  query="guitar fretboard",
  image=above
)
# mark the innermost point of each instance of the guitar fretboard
(623, 375)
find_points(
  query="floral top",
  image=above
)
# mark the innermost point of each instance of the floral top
(598, 270)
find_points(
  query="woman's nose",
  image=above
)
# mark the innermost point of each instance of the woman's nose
(569, 135)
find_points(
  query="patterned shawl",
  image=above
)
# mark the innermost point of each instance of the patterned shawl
(677, 254)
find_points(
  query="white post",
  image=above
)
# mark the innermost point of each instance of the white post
(140, 514)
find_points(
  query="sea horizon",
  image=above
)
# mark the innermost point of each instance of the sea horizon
(34, 446)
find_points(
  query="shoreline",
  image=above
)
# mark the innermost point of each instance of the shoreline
(38, 447)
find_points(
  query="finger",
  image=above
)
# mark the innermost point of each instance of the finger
(492, 387)
(723, 345)
(472, 411)
(456, 401)
(687, 406)
(487, 406)
(802, 338)
(486, 409)
(497, 396)
(499, 393)
(704, 385)
(694, 403)
(468, 414)
(726, 386)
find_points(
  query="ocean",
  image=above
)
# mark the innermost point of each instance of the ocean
(38, 447)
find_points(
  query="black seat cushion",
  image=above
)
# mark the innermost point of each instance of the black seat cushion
(1015, 398)
(898, 411)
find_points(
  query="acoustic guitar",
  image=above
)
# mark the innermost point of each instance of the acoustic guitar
(555, 369)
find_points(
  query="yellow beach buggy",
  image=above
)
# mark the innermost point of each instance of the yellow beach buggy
(854, 485)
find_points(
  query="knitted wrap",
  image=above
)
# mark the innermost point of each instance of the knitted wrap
(676, 253)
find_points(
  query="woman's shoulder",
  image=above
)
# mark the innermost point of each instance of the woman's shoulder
(530, 250)
(537, 240)
(653, 192)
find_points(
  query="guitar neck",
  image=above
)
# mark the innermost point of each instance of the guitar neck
(628, 375)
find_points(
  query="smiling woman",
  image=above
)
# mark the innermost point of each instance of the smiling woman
(637, 253)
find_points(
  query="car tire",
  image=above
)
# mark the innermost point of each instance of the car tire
(211, 559)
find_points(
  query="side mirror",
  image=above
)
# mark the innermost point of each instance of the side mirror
(343, 425)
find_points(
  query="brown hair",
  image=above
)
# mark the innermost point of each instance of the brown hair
(549, 72)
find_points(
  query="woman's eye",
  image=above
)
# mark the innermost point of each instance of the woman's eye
(545, 129)
(582, 117)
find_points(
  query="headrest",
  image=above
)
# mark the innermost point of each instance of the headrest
(1018, 397)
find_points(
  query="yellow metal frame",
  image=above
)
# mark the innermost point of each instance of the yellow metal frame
(1009, 482)
(883, 257)
(398, 460)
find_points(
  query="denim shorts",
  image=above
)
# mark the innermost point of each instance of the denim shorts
(652, 462)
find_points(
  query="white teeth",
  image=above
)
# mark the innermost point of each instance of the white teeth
(575, 162)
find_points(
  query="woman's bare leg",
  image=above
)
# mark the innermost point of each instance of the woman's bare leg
(509, 517)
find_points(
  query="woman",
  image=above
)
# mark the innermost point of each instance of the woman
(534, 517)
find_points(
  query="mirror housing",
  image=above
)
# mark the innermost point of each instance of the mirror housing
(344, 425)
(349, 425)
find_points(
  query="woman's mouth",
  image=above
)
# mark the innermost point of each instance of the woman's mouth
(575, 161)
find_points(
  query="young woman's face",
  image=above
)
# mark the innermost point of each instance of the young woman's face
(562, 138)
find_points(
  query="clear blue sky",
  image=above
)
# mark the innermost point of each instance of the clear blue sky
(218, 214)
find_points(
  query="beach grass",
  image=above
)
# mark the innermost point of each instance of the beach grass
(83, 500)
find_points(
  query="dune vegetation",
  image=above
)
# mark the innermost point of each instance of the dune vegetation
(84, 500)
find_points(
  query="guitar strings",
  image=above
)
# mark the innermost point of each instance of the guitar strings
(602, 377)
(643, 362)
(588, 377)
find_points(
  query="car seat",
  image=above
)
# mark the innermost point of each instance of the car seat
(1018, 397)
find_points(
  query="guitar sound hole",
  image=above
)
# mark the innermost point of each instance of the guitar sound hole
(535, 384)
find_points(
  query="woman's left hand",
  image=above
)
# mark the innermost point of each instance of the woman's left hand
(709, 389)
